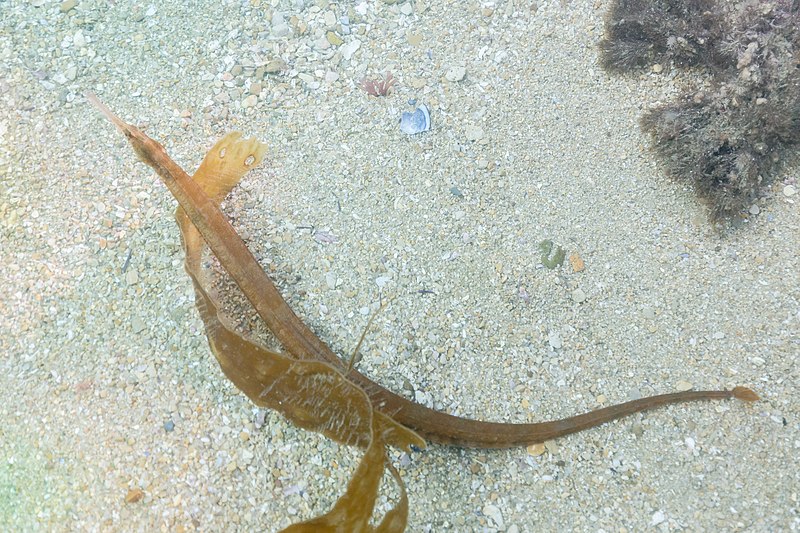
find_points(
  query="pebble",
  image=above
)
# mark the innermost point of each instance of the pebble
(137, 325)
(79, 40)
(754, 209)
(169, 426)
(349, 49)
(577, 263)
(279, 26)
(536, 449)
(250, 101)
(67, 6)
(134, 495)
(657, 518)
(131, 277)
(473, 133)
(578, 296)
(789, 190)
(493, 512)
(554, 339)
(683, 386)
(334, 39)
(274, 65)
(455, 73)
(414, 39)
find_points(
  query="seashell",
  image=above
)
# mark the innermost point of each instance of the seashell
(416, 122)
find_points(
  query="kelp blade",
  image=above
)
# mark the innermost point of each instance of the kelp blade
(311, 394)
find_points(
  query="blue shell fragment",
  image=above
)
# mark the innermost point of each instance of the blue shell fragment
(416, 122)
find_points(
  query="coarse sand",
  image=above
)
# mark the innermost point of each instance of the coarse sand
(115, 415)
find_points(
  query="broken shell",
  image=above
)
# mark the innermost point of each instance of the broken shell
(416, 122)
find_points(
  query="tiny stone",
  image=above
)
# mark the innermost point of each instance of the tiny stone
(658, 517)
(134, 495)
(789, 190)
(683, 386)
(79, 40)
(131, 277)
(330, 18)
(455, 73)
(455, 191)
(414, 39)
(494, 513)
(236, 70)
(657, 68)
(169, 426)
(601, 399)
(255, 88)
(250, 101)
(334, 39)
(349, 49)
(137, 325)
(554, 339)
(578, 296)
(754, 209)
(71, 73)
(275, 65)
(279, 26)
(68, 6)
(577, 263)
(536, 449)
(473, 133)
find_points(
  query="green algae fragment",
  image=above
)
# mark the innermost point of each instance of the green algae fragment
(546, 246)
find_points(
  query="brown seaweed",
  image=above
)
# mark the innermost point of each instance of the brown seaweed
(310, 385)
(728, 138)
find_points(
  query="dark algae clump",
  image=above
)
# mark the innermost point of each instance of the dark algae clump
(725, 140)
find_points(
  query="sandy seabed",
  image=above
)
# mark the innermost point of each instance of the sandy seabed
(108, 387)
